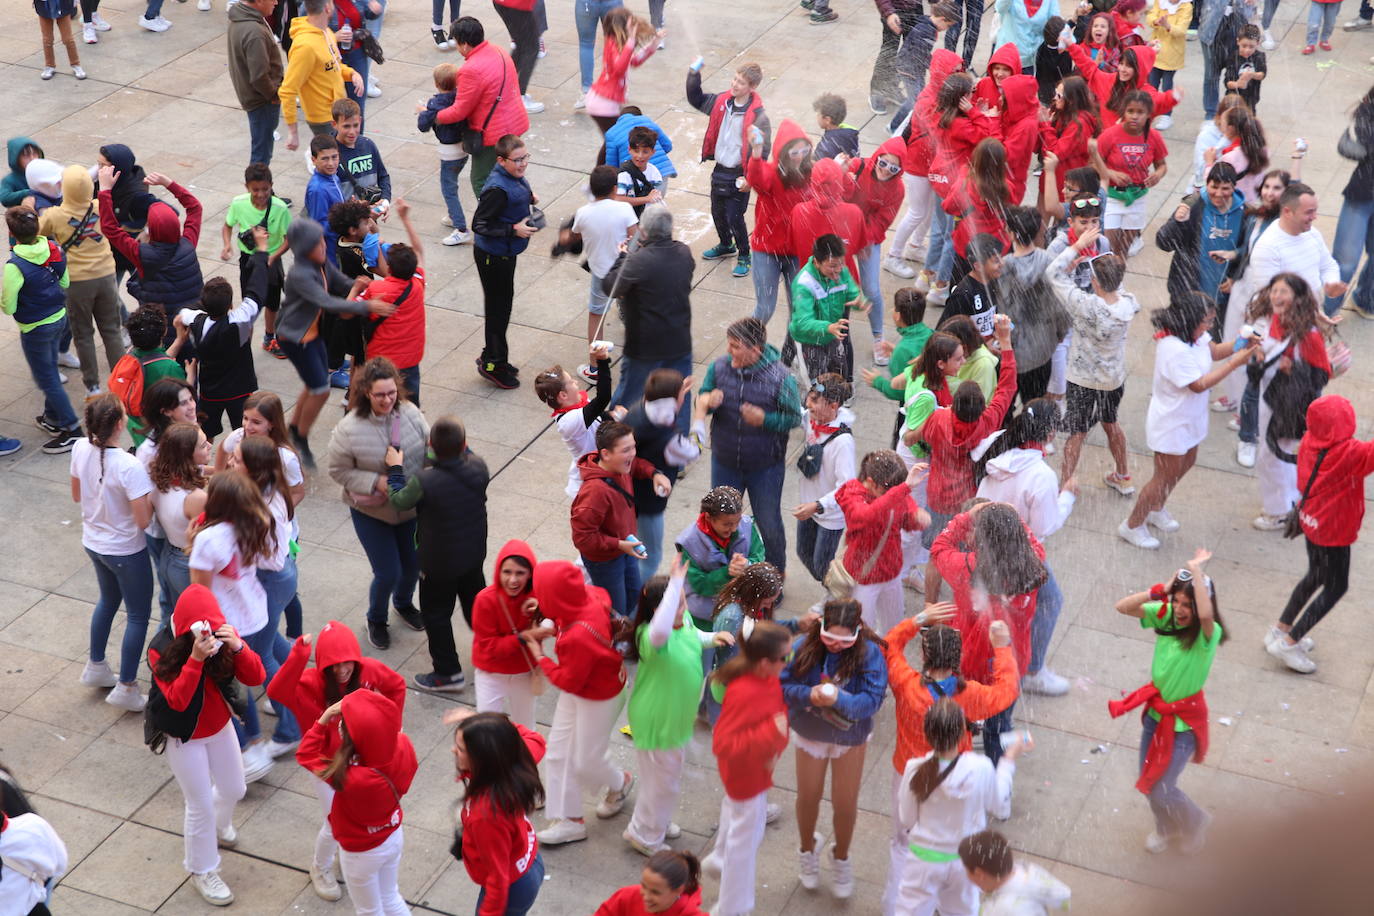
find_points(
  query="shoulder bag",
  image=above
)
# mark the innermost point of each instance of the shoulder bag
(1292, 525)
(839, 581)
(472, 139)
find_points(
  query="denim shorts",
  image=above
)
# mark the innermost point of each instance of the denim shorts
(598, 302)
(311, 360)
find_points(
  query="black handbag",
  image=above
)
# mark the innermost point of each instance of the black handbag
(370, 45)
(1292, 524)
(809, 461)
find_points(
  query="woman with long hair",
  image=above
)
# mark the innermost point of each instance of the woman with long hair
(168, 400)
(957, 126)
(780, 183)
(1066, 127)
(1112, 88)
(370, 769)
(1131, 158)
(980, 200)
(1176, 422)
(1245, 149)
(113, 491)
(946, 795)
(340, 668)
(879, 195)
(379, 416)
(588, 16)
(502, 614)
(1188, 630)
(670, 885)
(195, 662)
(628, 42)
(497, 763)
(833, 688)
(178, 475)
(752, 595)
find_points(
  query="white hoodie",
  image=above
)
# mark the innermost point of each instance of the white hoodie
(1021, 477)
(32, 853)
(837, 467)
(960, 805)
(1030, 891)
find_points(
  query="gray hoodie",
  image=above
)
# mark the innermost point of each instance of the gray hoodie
(310, 287)
(1027, 298)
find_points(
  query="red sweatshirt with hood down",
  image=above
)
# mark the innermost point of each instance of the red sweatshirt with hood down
(198, 603)
(827, 211)
(951, 440)
(775, 201)
(588, 664)
(986, 89)
(629, 901)
(301, 689)
(498, 846)
(746, 740)
(1101, 82)
(1069, 146)
(603, 512)
(498, 618)
(974, 214)
(877, 199)
(1334, 509)
(920, 144)
(1020, 130)
(367, 809)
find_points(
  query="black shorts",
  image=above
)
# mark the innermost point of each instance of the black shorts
(1084, 408)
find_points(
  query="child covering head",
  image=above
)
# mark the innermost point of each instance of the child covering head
(719, 546)
(577, 415)
(1009, 888)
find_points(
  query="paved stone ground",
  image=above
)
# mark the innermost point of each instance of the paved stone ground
(119, 810)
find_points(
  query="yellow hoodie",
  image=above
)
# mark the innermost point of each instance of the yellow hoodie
(314, 72)
(89, 256)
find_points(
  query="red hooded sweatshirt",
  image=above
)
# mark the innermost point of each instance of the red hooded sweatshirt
(301, 689)
(588, 664)
(953, 556)
(951, 440)
(866, 517)
(198, 603)
(954, 145)
(920, 144)
(986, 89)
(603, 512)
(1101, 82)
(826, 210)
(1020, 130)
(498, 619)
(746, 740)
(163, 225)
(629, 901)
(775, 201)
(975, 215)
(1334, 509)
(499, 846)
(1069, 146)
(878, 200)
(367, 809)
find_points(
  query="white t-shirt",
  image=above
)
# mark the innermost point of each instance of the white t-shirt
(1177, 419)
(290, 461)
(626, 187)
(145, 453)
(276, 504)
(241, 597)
(580, 439)
(603, 225)
(169, 509)
(107, 519)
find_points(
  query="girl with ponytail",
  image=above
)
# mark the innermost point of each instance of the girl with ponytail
(669, 886)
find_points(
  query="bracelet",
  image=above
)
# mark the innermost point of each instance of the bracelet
(920, 619)
(242, 645)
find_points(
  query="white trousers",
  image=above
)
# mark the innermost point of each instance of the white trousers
(736, 849)
(898, 852)
(578, 757)
(1278, 480)
(1233, 386)
(916, 221)
(371, 876)
(325, 847)
(1059, 366)
(882, 603)
(210, 774)
(928, 886)
(660, 784)
(507, 693)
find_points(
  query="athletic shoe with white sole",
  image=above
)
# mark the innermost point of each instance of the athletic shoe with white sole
(1156, 842)
(155, 25)
(126, 697)
(88, 34)
(1306, 643)
(1140, 537)
(257, 763)
(1046, 683)
(1267, 522)
(325, 885)
(228, 836)
(98, 674)
(615, 799)
(773, 813)
(899, 267)
(275, 749)
(841, 876)
(212, 889)
(68, 360)
(1246, 452)
(1119, 483)
(1161, 520)
(809, 864)
(562, 831)
(640, 846)
(456, 237)
(1291, 654)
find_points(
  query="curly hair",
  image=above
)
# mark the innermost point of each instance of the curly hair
(174, 465)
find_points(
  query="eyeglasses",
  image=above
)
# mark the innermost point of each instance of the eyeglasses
(1085, 202)
(893, 167)
(520, 160)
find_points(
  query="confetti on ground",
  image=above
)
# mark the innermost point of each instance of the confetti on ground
(1225, 720)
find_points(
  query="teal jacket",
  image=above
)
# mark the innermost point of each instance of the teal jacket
(14, 187)
(914, 337)
(818, 302)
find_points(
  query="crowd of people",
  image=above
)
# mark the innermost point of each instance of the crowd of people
(1016, 194)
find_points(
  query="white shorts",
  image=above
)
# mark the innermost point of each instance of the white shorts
(823, 750)
(1118, 215)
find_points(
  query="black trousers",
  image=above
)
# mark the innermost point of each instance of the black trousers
(1328, 569)
(525, 33)
(885, 82)
(497, 273)
(276, 277)
(728, 206)
(211, 413)
(437, 600)
(1032, 384)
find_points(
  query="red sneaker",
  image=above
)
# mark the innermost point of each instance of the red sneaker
(1325, 45)
(1309, 49)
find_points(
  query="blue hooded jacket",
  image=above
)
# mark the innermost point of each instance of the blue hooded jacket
(618, 143)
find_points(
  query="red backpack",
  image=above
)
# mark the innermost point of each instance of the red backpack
(126, 381)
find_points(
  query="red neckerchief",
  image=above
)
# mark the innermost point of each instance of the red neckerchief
(1033, 7)
(820, 429)
(1235, 144)
(1038, 446)
(582, 403)
(1073, 238)
(706, 530)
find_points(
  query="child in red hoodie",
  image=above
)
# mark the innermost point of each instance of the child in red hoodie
(1004, 63)
(781, 184)
(827, 210)
(878, 194)
(371, 769)
(194, 665)
(340, 669)
(591, 675)
(502, 613)
(749, 736)
(669, 886)
(1020, 130)
(877, 508)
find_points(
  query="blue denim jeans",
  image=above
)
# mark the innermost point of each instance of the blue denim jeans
(870, 263)
(816, 546)
(261, 122)
(1321, 21)
(438, 10)
(1355, 237)
(411, 377)
(763, 486)
(153, 10)
(1211, 77)
(1048, 604)
(629, 391)
(940, 251)
(355, 58)
(772, 271)
(1175, 813)
(280, 586)
(449, 170)
(620, 579)
(651, 535)
(523, 891)
(173, 576)
(1249, 413)
(40, 352)
(166, 601)
(390, 550)
(588, 14)
(127, 579)
(992, 733)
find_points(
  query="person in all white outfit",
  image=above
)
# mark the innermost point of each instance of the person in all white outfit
(826, 462)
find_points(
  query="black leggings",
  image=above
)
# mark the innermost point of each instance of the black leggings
(1328, 568)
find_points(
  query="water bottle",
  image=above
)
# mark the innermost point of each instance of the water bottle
(345, 37)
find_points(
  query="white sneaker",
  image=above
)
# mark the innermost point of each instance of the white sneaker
(99, 22)
(80, 74)
(88, 34)
(1245, 454)
(1156, 843)
(446, 222)
(326, 888)
(774, 813)
(1273, 633)
(1121, 485)
(916, 253)
(373, 90)
(1291, 655)
(275, 749)
(1355, 25)
(938, 294)
(1233, 423)
(203, 5)
(1224, 405)
(213, 889)
(1140, 537)
(562, 831)
(1164, 122)
(1046, 683)
(153, 25)
(48, 73)
(581, 103)
(1267, 522)
(1136, 247)
(644, 849)
(809, 865)
(673, 831)
(68, 360)
(615, 799)
(456, 237)
(879, 358)
(98, 674)
(61, 376)
(841, 876)
(164, 22)
(228, 836)
(898, 267)
(1269, 43)
(1162, 521)
(711, 866)
(1193, 844)
(257, 763)
(924, 281)
(531, 106)
(127, 697)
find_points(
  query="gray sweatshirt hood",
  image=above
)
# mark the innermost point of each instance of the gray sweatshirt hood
(303, 235)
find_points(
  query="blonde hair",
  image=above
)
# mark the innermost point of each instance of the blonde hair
(445, 77)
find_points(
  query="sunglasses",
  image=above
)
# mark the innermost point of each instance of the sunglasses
(842, 640)
(1085, 202)
(893, 167)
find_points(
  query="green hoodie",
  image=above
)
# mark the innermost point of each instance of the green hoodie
(914, 337)
(14, 187)
(35, 252)
(818, 302)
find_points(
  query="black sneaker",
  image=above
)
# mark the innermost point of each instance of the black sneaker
(410, 615)
(499, 375)
(378, 636)
(302, 446)
(440, 38)
(62, 442)
(47, 425)
(821, 17)
(441, 683)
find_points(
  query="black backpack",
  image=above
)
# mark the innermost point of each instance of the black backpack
(161, 720)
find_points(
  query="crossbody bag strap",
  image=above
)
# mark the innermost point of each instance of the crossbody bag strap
(878, 550)
(1321, 456)
(524, 653)
(592, 630)
(390, 785)
(500, 93)
(75, 237)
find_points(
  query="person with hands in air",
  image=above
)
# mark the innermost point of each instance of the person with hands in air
(578, 415)
(166, 268)
(194, 662)
(823, 294)
(1188, 630)
(720, 544)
